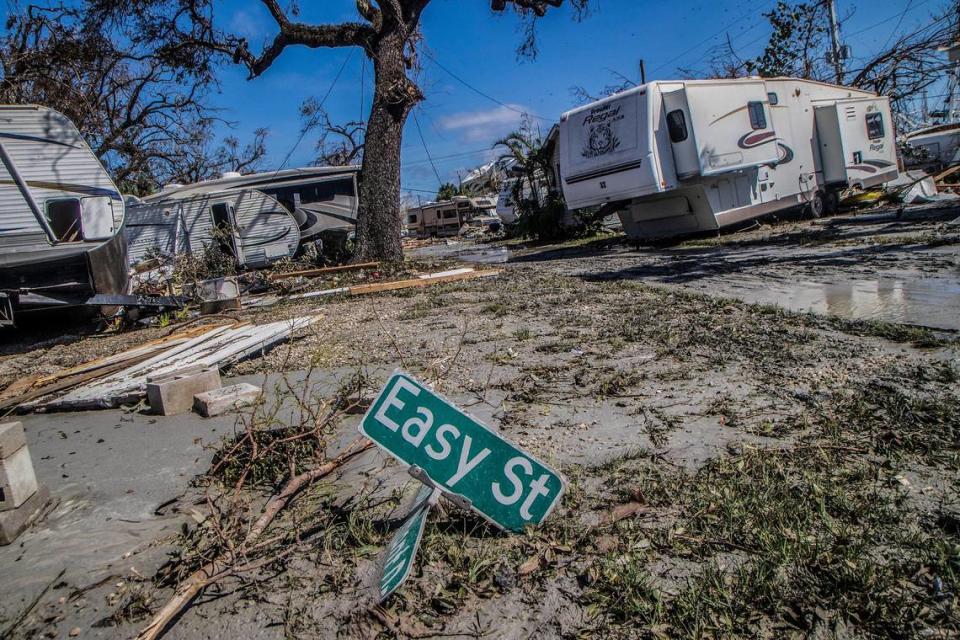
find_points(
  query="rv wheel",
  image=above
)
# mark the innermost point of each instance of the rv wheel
(832, 202)
(816, 205)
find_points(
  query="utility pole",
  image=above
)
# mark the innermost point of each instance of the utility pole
(837, 53)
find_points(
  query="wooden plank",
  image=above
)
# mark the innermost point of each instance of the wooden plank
(313, 273)
(217, 348)
(419, 282)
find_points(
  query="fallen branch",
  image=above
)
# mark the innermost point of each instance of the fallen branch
(224, 565)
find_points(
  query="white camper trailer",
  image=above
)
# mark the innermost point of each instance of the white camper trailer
(247, 224)
(60, 240)
(320, 198)
(689, 156)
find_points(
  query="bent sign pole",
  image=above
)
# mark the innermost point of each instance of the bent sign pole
(461, 457)
(402, 550)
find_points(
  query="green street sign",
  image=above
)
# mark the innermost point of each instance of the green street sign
(400, 553)
(491, 475)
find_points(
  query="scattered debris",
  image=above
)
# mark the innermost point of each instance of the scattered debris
(218, 347)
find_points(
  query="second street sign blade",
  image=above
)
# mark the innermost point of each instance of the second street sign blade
(502, 482)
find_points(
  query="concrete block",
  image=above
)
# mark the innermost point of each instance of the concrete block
(173, 394)
(16, 521)
(11, 438)
(17, 479)
(218, 401)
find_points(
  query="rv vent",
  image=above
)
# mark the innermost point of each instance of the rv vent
(851, 113)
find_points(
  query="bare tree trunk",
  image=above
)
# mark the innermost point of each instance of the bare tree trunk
(378, 219)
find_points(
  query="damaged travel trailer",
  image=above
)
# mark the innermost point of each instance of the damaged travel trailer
(321, 199)
(60, 238)
(247, 224)
(448, 217)
(690, 156)
(934, 147)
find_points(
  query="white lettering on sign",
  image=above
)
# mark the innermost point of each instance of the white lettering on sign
(537, 488)
(466, 464)
(393, 401)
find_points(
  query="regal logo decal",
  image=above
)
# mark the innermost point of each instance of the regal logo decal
(601, 141)
(601, 138)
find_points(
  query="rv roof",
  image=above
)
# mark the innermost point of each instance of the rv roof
(642, 88)
(252, 180)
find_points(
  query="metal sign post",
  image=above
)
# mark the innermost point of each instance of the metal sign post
(473, 465)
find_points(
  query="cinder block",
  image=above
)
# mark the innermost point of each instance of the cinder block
(213, 403)
(16, 521)
(11, 438)
(17, 479)
(173, 394)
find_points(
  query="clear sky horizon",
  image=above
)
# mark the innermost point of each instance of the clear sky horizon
(474, 44)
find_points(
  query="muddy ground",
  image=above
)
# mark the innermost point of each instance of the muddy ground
(735, 469)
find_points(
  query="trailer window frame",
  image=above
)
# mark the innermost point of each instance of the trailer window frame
(773, 98)
(758, 117)
(875, 126)
(677, 126)
(61, 233)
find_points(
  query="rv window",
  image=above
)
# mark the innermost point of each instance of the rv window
(758, 119)
(874, 125)
(677, 125)
(65, 219)
(412, 219)
(773, 98)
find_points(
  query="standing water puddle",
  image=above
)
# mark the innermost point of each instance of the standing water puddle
(908, 299)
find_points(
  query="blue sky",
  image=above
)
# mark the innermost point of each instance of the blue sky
(458, 124)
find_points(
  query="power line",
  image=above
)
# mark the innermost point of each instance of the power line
(708, 39)
(886, 20)
(416, 121)
(479, 92)
(899, 22)
(303, 132)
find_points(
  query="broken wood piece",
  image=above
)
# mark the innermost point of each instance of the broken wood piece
(313, 273)
(420, 281)
(217, 348)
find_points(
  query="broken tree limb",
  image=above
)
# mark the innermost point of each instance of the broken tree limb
(223, 565)
(313, 273)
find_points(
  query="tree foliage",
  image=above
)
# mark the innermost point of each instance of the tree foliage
(447, 191)
(141, 106)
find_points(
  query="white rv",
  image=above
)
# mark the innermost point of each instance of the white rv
(320, 198)
(689, 156)
(60, 216)
(247, 224)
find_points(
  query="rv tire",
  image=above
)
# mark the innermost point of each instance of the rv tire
(815, 205)
(832, 202)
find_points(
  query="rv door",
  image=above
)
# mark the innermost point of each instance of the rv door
(226, 234)
(682, 142)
